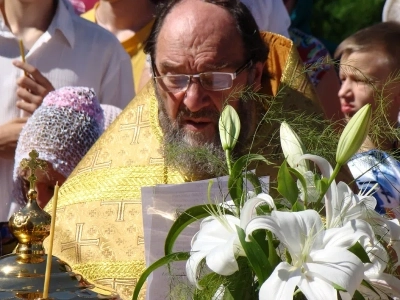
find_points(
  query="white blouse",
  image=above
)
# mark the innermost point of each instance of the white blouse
(72, 52)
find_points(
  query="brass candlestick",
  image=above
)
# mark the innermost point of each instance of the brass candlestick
(31, 225)
(22, 273)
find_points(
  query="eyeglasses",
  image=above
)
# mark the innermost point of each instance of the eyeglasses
(212, 81)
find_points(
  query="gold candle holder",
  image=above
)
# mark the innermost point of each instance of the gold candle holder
(22, 274)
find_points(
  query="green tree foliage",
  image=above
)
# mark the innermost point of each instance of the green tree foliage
(334, 20)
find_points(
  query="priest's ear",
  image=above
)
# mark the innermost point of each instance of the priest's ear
(255, 75)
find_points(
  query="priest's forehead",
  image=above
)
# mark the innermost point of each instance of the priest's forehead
(196, 33)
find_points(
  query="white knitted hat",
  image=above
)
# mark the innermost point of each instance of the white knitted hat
(111, 112)
(62, 129)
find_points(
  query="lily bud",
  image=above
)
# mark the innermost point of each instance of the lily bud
(354, 134)
(229, 127)
(292, 148)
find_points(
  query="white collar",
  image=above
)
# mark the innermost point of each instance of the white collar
(62, 22)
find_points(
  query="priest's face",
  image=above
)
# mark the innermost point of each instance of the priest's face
(200, 39)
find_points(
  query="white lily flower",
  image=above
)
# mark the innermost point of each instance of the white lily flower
(341, 204)
(218, 242)
(229, 127)
(393, 238)
(384, 284)
(374, 272)
(292, 148)
(263, 197)
(312, 192)
(320, 258)
(349, 206)
(354, 134)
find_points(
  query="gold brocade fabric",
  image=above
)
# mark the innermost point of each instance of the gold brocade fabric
(287, 75)
(99, 216)
(99, 229)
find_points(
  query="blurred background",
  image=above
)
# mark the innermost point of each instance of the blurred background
(332, 21)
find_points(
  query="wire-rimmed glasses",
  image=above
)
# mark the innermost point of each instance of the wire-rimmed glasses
(212, 81)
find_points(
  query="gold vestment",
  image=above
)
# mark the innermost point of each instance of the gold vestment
(99, 229)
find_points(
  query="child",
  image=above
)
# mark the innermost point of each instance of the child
(368, 59)
(369, 64)
(61, 130)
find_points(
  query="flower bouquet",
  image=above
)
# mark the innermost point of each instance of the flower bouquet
(318, 241)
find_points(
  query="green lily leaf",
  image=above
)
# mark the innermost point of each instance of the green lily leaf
(321, 185)
(255, 181)
(210, 283)
(273, 257)
(256, 256)
(297, 206)
(185, 219)
(260, 236)
(302, 181)
(360, 252)
(240, 285)
(235, 186)
(368, 285)
(235, 182)
(179, 256)
(288, 256)
(358, 296)
(338, 287)
(287, 187)
(228, 295)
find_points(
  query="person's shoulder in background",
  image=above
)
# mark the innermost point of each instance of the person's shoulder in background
(270, 15)
(103, 48)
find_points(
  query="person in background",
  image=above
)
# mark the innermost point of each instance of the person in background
(369, 72)
(81, 6)
(61, 49)
(130, 21)
(391, 12)
(270, 15)
(61, 130)
(315, 56)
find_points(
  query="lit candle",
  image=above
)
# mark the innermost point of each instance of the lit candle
(50, 251)
(22, 52)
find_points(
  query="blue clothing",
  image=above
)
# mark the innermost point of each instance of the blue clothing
(377, 167)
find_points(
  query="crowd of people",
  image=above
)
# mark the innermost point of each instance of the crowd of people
(154, 76)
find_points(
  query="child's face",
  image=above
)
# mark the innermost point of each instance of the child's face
(359, 73)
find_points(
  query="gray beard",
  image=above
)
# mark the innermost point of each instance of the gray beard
(189, 153)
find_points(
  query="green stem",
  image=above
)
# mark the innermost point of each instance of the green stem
(228, 160)
(331, 179)
(272, 255)
(334, 174)
(305, 199)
